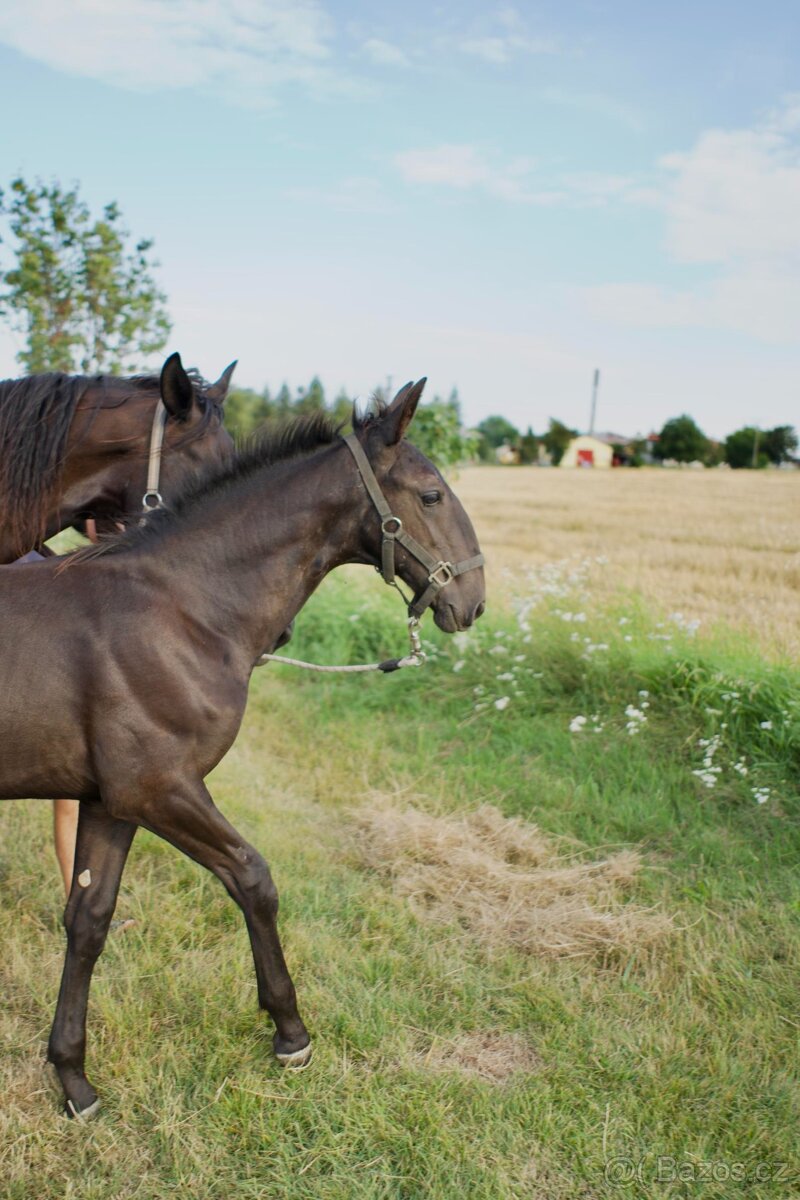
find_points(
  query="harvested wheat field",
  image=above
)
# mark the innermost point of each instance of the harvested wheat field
(718, 546)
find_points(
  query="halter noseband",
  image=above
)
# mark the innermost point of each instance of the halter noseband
(440, 573)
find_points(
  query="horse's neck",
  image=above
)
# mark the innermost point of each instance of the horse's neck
(265, 543)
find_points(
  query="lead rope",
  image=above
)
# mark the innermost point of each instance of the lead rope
(415, 659)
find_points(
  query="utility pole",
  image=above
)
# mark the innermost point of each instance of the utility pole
(595, 385)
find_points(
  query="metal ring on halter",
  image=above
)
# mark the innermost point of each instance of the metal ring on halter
(391, 532)
(441, 568)
(151, 501)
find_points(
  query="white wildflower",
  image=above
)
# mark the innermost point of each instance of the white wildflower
(502, 702)
(459, 666)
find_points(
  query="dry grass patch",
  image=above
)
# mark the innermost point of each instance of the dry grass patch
(495, 1057)
(508, 883)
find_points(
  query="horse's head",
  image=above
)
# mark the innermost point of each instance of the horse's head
(433, 548)
(111, 459)
(194, 435)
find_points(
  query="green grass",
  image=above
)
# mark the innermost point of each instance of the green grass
(686, 1050)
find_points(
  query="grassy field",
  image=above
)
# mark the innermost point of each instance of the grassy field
(540, 899)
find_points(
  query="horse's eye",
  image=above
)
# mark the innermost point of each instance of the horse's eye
(430, 498)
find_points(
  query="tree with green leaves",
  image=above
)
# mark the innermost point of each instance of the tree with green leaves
(311, 399)
(780, 443)
(81, 294)
(528, 448)
(495, 432)
(556, 440)
(743, 448)
(342, 408)
(246, 409)
(752, 447)
(438, 433)
(682, 439)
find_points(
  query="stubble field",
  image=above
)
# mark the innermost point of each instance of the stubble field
(720, 546)
(540, 898)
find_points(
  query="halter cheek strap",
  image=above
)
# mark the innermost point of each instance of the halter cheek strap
(152, 499)
(440, 573)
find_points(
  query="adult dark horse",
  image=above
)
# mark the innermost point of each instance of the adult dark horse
(75, 449)
(150, 641)
(73, 446)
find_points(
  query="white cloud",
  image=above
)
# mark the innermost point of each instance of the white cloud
(452, 165)
(384, 53)
(463, 167)
(501, 50)
(242, 49)
(731, 204)
(501, 45)
(757, 305)
(735, 196)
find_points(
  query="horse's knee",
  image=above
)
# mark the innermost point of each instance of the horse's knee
(86, 926)
(257, 886)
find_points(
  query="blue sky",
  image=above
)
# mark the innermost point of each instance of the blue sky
(500, 197)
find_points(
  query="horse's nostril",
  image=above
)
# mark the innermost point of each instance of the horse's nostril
(479, 611)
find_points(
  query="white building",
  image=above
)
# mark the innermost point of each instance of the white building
(587, 451)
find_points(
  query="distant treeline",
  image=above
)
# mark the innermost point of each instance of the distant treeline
(437, 427)
(439, 432)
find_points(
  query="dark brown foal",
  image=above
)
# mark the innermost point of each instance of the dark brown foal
(150, 641)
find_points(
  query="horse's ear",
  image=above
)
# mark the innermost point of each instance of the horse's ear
(176, 388)
(219, 390)
(397, 418)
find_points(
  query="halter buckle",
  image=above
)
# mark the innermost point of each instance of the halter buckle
(441, 574)
(152, 500)
(391, 533)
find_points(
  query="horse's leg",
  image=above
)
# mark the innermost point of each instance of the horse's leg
(185, 815)
(102, 848)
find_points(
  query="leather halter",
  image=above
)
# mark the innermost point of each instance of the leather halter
(152, 498)
(440, 573)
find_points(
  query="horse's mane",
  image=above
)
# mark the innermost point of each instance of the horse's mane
(272, 444)
(35, 418)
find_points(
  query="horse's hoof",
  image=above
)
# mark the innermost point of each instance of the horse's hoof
(297, 1060)
(82, 1114)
